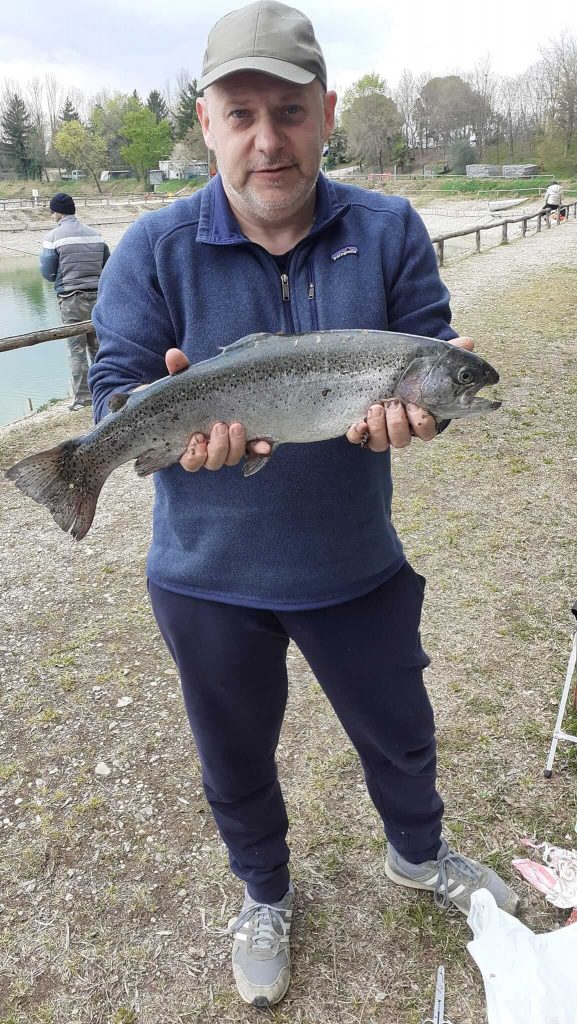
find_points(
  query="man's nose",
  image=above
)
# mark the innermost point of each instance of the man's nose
(268, 138)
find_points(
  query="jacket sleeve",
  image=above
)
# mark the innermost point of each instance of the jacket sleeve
(49, 261)
(418, 301)
(105, 255)
(132, 322)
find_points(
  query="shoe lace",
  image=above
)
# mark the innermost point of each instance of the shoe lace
(268, 925)
(460, 866)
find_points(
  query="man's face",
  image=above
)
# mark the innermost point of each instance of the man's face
(268, 138)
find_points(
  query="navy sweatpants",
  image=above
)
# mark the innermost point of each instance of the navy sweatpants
(367, 656)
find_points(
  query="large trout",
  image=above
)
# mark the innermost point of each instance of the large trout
(297, 388)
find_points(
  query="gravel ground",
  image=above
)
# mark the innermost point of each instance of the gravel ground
(114, 886)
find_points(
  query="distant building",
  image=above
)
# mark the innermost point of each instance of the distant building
(520, 170)
(115, 174)
(483, 171)
(182, 172)
(155, 177)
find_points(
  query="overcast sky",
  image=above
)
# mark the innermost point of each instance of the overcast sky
(128, 44)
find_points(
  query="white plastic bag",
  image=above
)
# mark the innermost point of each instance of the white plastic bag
(529, 979)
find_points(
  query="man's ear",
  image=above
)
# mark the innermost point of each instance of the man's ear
(329, 104)
(204, 119)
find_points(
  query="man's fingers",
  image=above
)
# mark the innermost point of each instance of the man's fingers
(258, 448)
(195, 455)
(176, 361)
(218, 447)
(357, 432)
(422, 424)
(236, 444)
(467, 343)
(397, 424)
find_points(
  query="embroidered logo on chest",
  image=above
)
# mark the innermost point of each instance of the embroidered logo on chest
(349, 250)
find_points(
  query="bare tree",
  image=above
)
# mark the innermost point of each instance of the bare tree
(484, 84)
(54, 94)
(560, 63)
(404, 96)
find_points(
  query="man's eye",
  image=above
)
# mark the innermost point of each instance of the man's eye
(238, 114)
(293, 109)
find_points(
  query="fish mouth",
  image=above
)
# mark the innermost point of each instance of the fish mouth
(468, 405)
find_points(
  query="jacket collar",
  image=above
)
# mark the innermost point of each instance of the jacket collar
(218, 225)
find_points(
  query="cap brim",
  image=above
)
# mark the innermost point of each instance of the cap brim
(268, 66)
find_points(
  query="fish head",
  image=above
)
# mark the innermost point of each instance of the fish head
(446, 384)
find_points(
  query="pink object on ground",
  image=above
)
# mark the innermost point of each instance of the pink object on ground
(556, 878)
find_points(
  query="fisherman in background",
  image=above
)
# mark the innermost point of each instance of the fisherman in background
(73, 256)
(554, 199)
(305, 549)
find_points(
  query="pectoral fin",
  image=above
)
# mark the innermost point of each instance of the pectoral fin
(118, 400)
(253, 463)
(157, 458)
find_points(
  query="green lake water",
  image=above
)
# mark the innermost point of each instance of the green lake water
(28, 303)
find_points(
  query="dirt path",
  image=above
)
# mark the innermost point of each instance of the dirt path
(114, 887)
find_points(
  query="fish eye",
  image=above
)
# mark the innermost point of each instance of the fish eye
(465, 376)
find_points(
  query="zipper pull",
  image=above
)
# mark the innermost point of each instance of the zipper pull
(312, 290)
(285, 287)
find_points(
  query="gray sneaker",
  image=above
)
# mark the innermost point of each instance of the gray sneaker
(451, 878)
(261, 953)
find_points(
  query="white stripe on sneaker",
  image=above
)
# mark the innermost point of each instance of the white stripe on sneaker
(432, 880)
(457, 891)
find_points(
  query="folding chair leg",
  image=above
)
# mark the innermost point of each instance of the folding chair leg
(557, 734)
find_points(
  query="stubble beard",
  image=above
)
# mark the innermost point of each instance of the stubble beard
(266, 203)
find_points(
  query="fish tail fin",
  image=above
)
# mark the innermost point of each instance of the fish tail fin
(61, 480)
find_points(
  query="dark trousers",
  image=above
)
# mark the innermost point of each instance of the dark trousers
(367, 657)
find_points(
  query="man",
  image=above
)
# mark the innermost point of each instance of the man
(305, 549)
(553, 200)
(73, 256)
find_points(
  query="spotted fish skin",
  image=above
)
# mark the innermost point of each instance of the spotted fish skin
(285, 388)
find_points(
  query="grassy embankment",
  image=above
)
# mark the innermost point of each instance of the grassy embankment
(19, 189)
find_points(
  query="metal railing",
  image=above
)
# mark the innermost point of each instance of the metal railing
(541, 215)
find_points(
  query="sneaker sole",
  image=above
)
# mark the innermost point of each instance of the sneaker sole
(511, 907)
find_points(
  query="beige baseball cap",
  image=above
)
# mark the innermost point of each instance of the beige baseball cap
(265, 36)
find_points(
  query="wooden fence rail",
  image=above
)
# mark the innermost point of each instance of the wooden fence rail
(53, 334)
(541, 215)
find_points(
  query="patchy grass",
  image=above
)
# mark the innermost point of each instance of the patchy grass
(115, 889)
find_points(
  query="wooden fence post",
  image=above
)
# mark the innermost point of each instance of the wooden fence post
(504, 238)
(478, 241)
(524, 228)
(441, 252)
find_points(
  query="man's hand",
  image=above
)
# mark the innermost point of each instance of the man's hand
(393, 424)
(226, 445)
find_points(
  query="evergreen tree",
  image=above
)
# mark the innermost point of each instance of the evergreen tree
(156, 104)
(17, 132)
(69, 112)
(186, 110)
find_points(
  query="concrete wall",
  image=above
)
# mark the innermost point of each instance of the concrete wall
(483, 171)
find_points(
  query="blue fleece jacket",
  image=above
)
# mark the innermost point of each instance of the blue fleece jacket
(313, 528)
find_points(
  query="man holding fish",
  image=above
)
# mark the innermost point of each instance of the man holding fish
(304, 550)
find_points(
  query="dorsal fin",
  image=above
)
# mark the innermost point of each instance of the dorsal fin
(248, 342)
